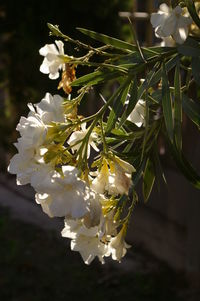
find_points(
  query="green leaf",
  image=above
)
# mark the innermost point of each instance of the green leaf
(185, 166)
(108, 40)
(196, 69)
(119, 44)
(169, 65)
(131, 102)
(148, 179)
(192, 109)
(137, 175)
(167, 103)
(117, 107)
(148, 80)
(96, 77)
(192, 10)
(157, 165)
(177, 108)
(190, 48)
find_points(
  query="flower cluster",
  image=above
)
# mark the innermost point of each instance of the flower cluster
(85, 169)
(53, 144)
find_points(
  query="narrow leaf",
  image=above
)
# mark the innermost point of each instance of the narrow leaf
(192, 10)
(185, 166)
(177, 108)
(148, 179)
(96, 77)
(189, 48)
(138, 174)
(131, 102)
(196, 69)
(108, 40)
(167, 103)
(117, 108)
(119, 44)
(191, 109)
(169, 65)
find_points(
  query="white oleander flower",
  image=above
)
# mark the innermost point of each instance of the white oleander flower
(29, 155)
(101, 181)
(23, 165)
(42, 178)
(169, 22)
(51, 109)
(119, 181)
(94, 215)
(52, 63)
(117, 246)
(89, 247)
(33, 132)
(76, 138)
(75, 227)
(85, 240)
(72, 227)
(116, 179)
(137, 116)
(109, 226)
(26, 163)
(65, 195)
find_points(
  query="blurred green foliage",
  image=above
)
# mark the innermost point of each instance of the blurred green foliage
(23, 32)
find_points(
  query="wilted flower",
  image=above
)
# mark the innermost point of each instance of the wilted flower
(115, 179)
(169, 22)
(52, 63)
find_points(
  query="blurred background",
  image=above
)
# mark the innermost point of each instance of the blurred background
(35, 262)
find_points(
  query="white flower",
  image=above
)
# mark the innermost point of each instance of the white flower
(33, 133)
(171, 23)
(94, 215)
(109, 226)
(85, 240)
(89, 247)
(41, 179)
(65, 195)
(116, 179)
(50, 109)
(118, 246)
(74, 228)
(119, 182)
(137, 116)
(32, 130)
(52, 62)
(76, 138)
(100, 182)
(23, 165)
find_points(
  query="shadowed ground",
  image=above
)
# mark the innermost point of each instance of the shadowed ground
(36, 264)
